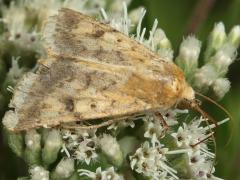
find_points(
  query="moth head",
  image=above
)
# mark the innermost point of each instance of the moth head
(195, 105)
(188, 93)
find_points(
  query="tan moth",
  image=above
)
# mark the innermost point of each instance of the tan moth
(93, 72)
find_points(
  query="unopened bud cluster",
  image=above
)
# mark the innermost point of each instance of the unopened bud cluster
(221, 52)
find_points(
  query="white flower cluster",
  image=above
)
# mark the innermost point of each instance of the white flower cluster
(151, 161)
(108, 174)
(191, 139)
(111, 149)
(188, 56)
(194, 137)
(154, 128)
(220, 54)
(80, 144)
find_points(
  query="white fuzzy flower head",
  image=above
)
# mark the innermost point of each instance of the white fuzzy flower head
(189, 50)
(223, 58)
(218, 36)
(108, 174)
(53, 139)
(111, 148)
(33, 140)
(221, 86)
(10, 120)
(65, 168)
(135, 15)
(188, 55)
(38, 173)
(234, 36)
(160, 39)
(204, 77)
(162, 45)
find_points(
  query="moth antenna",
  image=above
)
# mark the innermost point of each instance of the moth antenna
(215, 103)
(194, 105)
(206, 138)
(223, 109)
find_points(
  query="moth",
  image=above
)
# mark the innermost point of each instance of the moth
(93, 71)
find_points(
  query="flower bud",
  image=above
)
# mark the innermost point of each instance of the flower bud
(220, 87)
(32, 152)
(216, 40)
(111, 149)
(52, 145)
(135, 15)
(116, 6)
(160, 40)
(204, 77)
(15, 142)
(223, 58)
(162, 45)
(188, 55)
(64, 169)
(234, 36)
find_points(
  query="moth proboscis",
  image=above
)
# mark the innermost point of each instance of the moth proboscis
(93, 72)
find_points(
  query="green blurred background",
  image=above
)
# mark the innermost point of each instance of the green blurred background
(179, 18)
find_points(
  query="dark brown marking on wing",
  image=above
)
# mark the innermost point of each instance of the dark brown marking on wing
(98, 33)
(69, 103)
(93, 106)
(47, 83)
(70, 21)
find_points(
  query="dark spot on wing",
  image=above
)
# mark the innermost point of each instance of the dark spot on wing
(77, 115)
(98, 33)
(69, 19)
(93, 106)
(69, 103)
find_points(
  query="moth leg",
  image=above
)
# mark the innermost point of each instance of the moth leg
(163, 122)
(206, 138)
(106, 123)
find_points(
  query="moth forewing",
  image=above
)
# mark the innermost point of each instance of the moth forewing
(93, 72)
